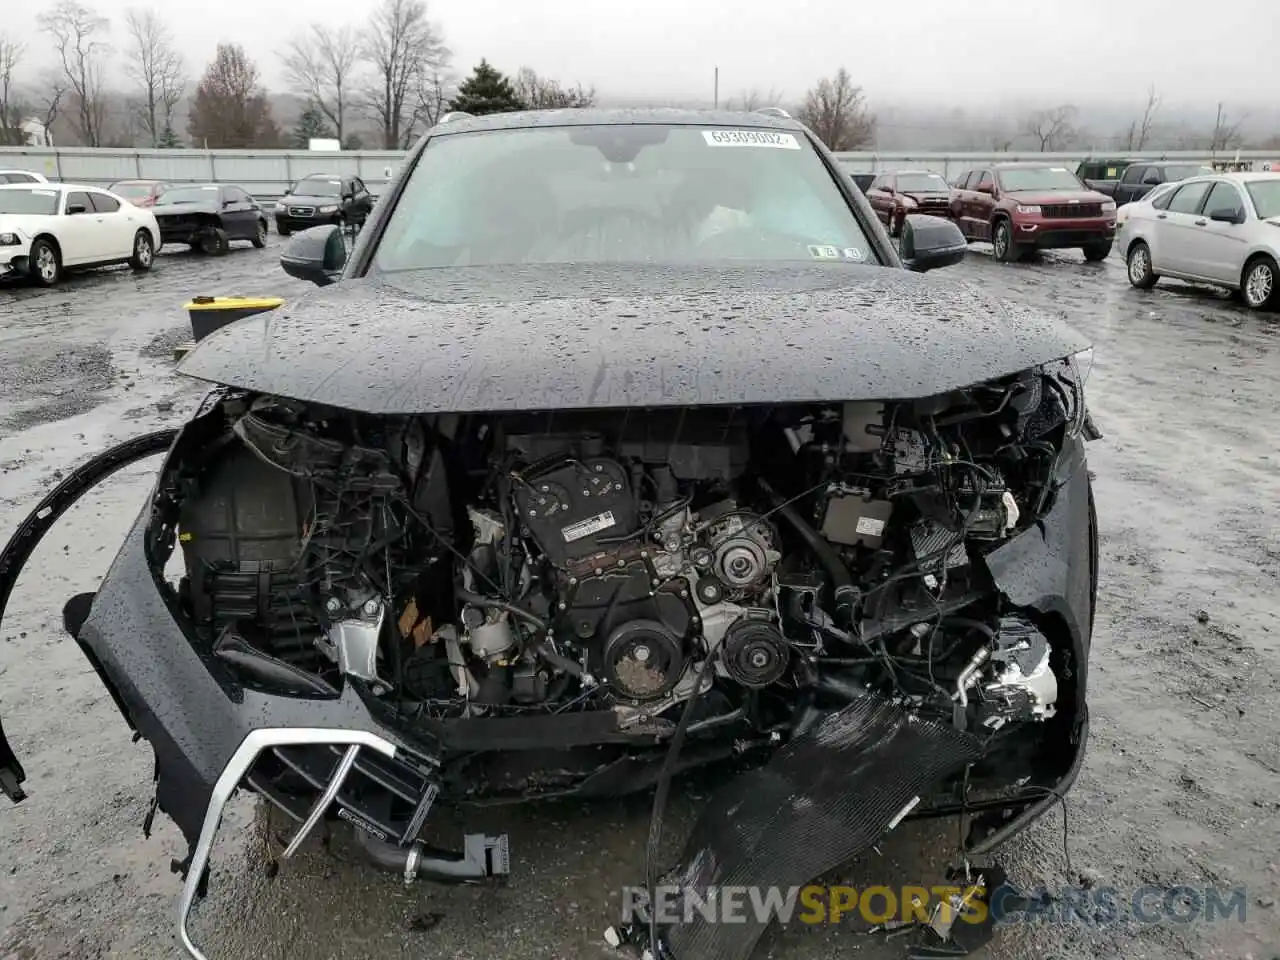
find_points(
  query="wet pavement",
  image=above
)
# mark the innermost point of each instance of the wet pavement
(1181, 787)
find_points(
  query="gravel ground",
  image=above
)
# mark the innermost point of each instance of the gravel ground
(1181, 785)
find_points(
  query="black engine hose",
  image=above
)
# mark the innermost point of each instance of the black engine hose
(846, 594)
(477, 600)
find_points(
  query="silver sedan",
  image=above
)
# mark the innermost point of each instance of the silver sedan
(1222, 229)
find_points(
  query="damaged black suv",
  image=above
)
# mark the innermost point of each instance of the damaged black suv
(619, 443)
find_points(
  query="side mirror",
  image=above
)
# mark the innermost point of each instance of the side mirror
(1227, 215)
(288, 190)
(76, 208)
(316, 255)
(928, 243)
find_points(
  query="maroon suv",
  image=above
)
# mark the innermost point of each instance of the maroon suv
(894, 194)
(1020, 207)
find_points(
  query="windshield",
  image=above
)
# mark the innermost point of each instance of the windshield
(618, 194)
(34, 201)
(920, 182)
(131, 191)
(1181, 171)
(1039, 178)
(188, 195)
(1266, 197)
(318, 187)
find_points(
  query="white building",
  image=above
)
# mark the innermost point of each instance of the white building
(35, 133)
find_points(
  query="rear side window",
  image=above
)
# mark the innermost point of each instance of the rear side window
(18, 178)
(1160, 197)
(1189, 197)
(104, 204)
(78, 199)
(1133, 174)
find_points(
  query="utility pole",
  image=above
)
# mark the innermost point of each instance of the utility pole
(717, 88)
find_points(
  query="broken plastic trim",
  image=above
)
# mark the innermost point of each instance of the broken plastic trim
(33, 529)
(234, 772)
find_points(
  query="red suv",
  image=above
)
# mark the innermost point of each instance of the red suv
(1020, 207)
(896, 193)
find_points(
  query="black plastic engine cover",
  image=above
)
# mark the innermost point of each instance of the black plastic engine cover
(569, 506)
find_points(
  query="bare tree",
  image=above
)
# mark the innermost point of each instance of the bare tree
(431, 101)
(1226, 132)
(543, 93)
(321, 65)
(230, 108)
(79, 37)
(753, 99)
(53, 95)
(11, 53)
(1148, 116)
(403, 47)
(1052, 129)
(155, 65)
(836, 111)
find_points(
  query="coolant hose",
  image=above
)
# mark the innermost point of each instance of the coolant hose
(483, 857)
(846, 594)
(478, 600)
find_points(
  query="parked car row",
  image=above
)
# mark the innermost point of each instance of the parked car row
(1017, 207)
(1179, 220)
(48, 229)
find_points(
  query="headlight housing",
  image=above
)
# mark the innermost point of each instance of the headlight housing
(329, 208)
(9, 239)
(1108, 206)
(280, 206)
(1029, 208)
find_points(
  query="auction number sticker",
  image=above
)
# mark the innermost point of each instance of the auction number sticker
(750, 138)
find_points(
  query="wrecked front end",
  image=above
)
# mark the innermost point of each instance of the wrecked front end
(883, 607)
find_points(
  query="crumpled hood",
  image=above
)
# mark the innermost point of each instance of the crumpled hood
(577, 336)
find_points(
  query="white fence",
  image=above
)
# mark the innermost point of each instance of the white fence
(267, 173)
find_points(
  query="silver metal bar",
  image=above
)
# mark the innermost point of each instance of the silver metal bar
(322, 802)
(232, 774)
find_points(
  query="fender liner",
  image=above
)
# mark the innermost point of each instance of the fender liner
(32, 530)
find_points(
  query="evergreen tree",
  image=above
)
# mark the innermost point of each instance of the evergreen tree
(486, 91)
(169, 140)
(311, 126)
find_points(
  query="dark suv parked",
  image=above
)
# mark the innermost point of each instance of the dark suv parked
(323, 198)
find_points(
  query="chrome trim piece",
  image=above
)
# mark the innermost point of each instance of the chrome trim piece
(234, 772)
(322, 802)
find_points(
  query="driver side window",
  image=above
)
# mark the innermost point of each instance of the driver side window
(984, 181)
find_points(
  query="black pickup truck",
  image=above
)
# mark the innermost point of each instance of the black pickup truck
(1136, 178)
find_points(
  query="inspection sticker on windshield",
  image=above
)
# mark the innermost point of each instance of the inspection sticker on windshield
(823, 252)
(750, 138)
(852, 253)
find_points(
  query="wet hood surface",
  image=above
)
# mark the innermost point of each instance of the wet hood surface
(578, 336)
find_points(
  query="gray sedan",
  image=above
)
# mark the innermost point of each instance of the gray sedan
(1222, 229)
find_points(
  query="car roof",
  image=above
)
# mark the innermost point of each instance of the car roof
(29, 186)
(592, 116)
(135, 180)
(1025, 165)
(1249, 176)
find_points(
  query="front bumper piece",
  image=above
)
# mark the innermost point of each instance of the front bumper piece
(482, 857)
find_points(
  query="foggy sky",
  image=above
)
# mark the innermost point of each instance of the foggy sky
(1083, 51)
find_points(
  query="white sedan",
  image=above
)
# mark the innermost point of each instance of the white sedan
(1222, 229)
(47, 229)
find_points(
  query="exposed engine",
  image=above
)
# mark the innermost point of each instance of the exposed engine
(752, 560)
